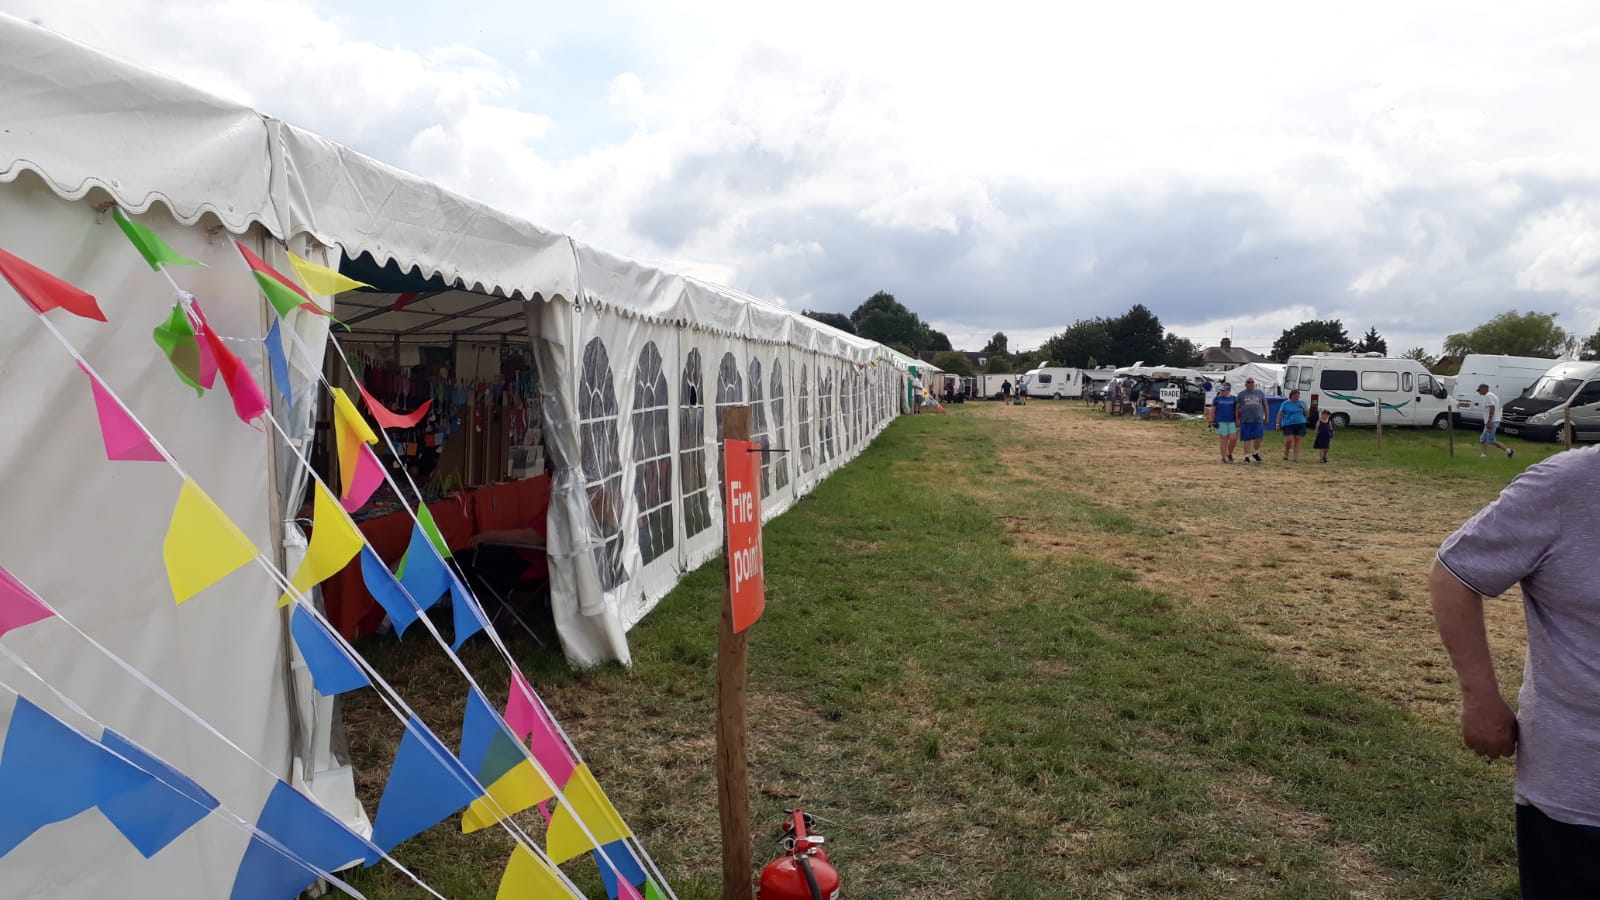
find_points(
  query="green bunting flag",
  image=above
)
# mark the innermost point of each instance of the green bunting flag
(177, 341)
(284, 295)
(155, 251)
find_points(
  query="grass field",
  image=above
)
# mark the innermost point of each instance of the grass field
(996, 658)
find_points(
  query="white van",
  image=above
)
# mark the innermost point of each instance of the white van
(1054, 382)
(1508, 376)
(1353, 386)
(1541, 412)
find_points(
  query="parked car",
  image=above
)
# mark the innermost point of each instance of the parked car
(1541, 412)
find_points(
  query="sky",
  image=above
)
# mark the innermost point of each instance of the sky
(1237, 167)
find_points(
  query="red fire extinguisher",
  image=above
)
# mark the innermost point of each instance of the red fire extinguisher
(803, 871)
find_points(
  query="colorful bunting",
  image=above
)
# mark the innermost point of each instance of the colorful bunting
(584, 800)
(366, 479)
(527, 719)
(490, 752)
(651, 892)
(202, 546)
(389, 593)
(249, 403)
(279, 362)
(44, 292)
(618, 857)
(125, 439)
(178, 343)
(465, 611)
(163, 806)
(299, 835)
(425, 578)
(425, 516)
(528, 877)
(284, 295)
(18, 605)
(322, 280)
(388, 419)
(629, 892)
(350, 433)
(426, 784)
(155, 251)
(334, 542)
(332, 669)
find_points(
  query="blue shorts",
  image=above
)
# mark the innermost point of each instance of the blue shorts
(1488, 433)
(1252, 431)
(1294, 430)
(1226, 428)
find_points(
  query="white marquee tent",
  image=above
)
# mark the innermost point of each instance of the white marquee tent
(634, 364)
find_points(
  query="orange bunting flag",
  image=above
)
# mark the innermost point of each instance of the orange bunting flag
(528, 877)
(586, 801)
(389, 419)
(334, 542)
(203, 546)
(350, 431)
(44, 292)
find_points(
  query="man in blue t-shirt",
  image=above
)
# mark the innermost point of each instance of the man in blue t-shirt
(1223, 415)
(1252, 419)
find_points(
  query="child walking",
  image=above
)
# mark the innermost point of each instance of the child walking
(1324, 436)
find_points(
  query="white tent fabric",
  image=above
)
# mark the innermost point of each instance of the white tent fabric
(1268, 376)
(631, 420)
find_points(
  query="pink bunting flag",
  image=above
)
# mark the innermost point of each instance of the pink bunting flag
(526, 717)
(368, 475)
(249, 402)
(626, 891)
(18, 605)
(125, 439)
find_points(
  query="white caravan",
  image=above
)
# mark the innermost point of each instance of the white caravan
(1054, 382)
(1541, 412)
(1508, 376)
(1354, 386)
(989, 385)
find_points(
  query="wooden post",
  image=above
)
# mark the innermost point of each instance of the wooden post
(733, 783)
(1380, 423)
(1450, 430)
(1566, 419)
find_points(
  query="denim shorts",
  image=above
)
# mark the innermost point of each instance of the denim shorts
(1252, 431)
(1294, 430)
(1488, 433)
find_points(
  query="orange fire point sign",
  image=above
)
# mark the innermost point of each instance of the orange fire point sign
(742, 503)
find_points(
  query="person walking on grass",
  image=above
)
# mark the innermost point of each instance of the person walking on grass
(1292, 422)
(1252, 419)
(1223, 414)
(1540, 534)
(1491, 423)
(1324, 438)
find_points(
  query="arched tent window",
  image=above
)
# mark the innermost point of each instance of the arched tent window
(802, 418)
(602, 465)
(652, 455)
(780, 461)
(692, 437)
(758, 426)
(730, 392)
(825, 417)
(846, 414)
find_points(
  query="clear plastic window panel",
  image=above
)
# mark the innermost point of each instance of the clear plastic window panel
(730, 392)
(847, 435)
(692, 458)
(802, 418)
(652, 455)
(825, 418)
(602, 463)
(780, 461)
(758, 426)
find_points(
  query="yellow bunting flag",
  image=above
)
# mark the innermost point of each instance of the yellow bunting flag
(585, 801)
(321, 280)
(529, 878)
(334, 542)
(517, 790)
(350, 432)
(203, 546)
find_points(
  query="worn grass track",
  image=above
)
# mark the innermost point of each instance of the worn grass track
(980, 713)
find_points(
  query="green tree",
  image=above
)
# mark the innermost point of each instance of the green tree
(1310, 347)
(1180, 351)
(1329, 333)
(954, 363)
(837, 320)
(1080, 344)
(937, 341)
(996, 345)
(1373, 342)
(1591, 347)
(886, 320)
(1421, 356)
(999, 365)
(1513, 334)
(1028, 360)
(1137, 335)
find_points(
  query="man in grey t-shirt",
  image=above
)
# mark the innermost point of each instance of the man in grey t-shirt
(1252, 420)
(1541, 533)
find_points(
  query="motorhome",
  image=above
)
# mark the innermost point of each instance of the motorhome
(1054, 382)
(1353, 387)
(1508, 376)
(990, 386)
(1541, 413)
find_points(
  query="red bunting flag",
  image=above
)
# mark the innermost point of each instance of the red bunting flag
(389, 419)
(45, 292)
(249, 403)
